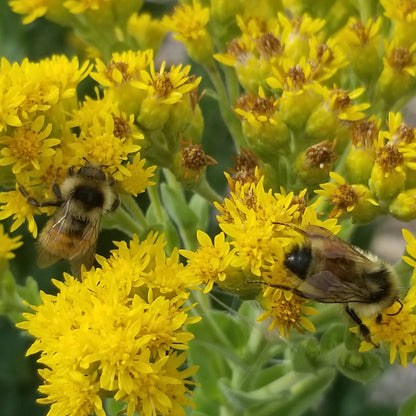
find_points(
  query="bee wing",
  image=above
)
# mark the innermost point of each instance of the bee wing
(58, 241)
(331, 245)
(336, 279)
(327, 287)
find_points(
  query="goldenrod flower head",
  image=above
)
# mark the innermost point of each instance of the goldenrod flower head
(147, 31)
(403, 15)
(188, 22)
(397, 328)
(210, 261)
(411, 251)
(286, 311)
(296, 33)
(15, 205)
(403, 207)
(361, 41)
(250, 218)
(245, 169)
(168, 87)
(112, 337)
(137, 177)
(340, 102)
(32, 88)
(33, 9)
(314, 164)
(258, 110)
(28, 144)
(355, 200)
(8, 244)
(122, 69)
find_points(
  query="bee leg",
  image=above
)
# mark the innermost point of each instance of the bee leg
(36, 203)
(364, 331)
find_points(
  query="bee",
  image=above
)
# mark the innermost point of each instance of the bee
(329, 270)
(71, 234)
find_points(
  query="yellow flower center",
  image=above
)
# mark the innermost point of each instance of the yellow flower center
(389, 157)
(25, 145)
(269, 46)
(363, 133)
(287, 312)
(399, 58)
(296, 74)
(163, 85)
(320, 155)
(121, 128)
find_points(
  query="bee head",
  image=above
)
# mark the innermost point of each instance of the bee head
(298, 260)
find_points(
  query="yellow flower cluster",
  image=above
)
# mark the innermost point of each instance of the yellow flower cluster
(380, 171)
(120, 333)
(45, 129)
(261, 228)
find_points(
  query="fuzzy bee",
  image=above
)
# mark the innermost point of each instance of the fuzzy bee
(72, 233)
(329, 270)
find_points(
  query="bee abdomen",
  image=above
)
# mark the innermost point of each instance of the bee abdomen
(380, 285)
(299, 260)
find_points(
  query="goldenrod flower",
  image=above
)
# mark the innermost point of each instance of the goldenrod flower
(15, 205)
(189, 23)
(147, 31)
(397, 328)
(112, 334)
(361, 41)
(27, 145)
(210, 261)
(411, 250)
(355, 200)
(137, 177)
(403, 15)
(8, 244)
(286, 311)
(33, 9)
(168, 87)
(122, 69)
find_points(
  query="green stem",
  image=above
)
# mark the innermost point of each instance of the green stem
(204, 189)
(230, 119)
(130, 204)
(153, 192)
(203, 309)
(123, 221)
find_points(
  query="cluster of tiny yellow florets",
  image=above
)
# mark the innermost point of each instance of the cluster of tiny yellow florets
(120, 333)
(44, 129)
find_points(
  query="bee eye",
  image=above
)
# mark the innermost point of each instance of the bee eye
(298, 261)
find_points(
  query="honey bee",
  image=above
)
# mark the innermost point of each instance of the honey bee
(72, 233)
(329, 270)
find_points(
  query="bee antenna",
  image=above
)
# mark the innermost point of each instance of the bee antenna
(299, 230)
(400, 309)
(86, 160)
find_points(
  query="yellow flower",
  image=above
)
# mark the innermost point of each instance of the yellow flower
(168, 87)
(210, 261)
(189, 23)
(28, 144)
(138, 177)
(411, 250)
(117, 333)
(148, 32)
(33, 9)
(15, 205)
(397, 328)
(7, 244)
(355, 200)
(286, 310)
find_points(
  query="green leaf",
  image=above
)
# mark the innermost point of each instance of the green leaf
(362, 367)
(305, 356)
(200, 207)
(409, 407)
(332, 338)
(300, 397)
